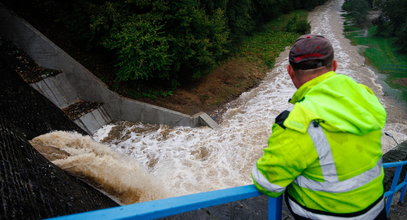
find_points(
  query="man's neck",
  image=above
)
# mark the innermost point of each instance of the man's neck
(307, 75)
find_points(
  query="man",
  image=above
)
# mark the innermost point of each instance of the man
(326, 152)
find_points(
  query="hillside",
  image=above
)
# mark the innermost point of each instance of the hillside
(242, 70)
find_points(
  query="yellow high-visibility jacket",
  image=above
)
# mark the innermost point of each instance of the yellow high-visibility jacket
(326, 152)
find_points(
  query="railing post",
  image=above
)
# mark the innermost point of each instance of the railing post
(403, 189)
(275, 208)
(392, 189)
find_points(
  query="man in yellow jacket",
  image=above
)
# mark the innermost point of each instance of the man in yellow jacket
(326, 151)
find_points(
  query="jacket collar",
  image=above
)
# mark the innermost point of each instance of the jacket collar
(300, 93)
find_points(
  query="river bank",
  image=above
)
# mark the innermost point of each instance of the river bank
(380, 53)
(328, 20)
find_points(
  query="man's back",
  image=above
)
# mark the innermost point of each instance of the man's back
(351, 119)
(326, 151)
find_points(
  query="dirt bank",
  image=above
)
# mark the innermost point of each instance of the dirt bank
(225, 83)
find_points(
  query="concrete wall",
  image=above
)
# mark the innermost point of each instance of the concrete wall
(93, 120)
(57, 90)
(85, 85)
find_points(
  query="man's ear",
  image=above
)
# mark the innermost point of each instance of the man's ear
(290, 71)
(334, 65)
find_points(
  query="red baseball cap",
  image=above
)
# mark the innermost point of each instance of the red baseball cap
(311, 47)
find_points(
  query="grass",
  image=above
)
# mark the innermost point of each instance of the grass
(267, 44)
(382, 54)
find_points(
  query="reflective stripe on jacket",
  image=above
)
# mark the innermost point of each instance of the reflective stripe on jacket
(327, 151)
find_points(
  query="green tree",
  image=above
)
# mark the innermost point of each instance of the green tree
(172, 41)
(395, 22)
(239, 17)
(358, 9)
(142, 50)
(161, 39)
(198, 40)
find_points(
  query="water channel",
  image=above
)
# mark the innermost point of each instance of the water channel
(190, 160)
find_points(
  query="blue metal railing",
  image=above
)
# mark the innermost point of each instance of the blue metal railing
(395, 186)
(176, 205)
(171, 206)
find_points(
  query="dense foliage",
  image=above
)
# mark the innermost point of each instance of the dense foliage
(391, 23)
(383, 36)
(166, 40)
(358, 10)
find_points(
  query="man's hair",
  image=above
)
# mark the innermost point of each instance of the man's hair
(311, 71)
(312, 64)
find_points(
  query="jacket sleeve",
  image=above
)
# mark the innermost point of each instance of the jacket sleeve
(283, 160)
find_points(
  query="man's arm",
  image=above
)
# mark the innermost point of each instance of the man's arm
(284, 159)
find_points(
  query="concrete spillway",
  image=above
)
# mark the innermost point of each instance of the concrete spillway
(76, 83)
(31, 186)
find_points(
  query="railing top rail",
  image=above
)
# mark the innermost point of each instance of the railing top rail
(176, 205)
(394, 164)
(170, 206)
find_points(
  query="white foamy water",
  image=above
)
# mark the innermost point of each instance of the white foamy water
(189, 160)
(193, 160)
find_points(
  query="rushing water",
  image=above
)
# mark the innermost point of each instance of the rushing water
(188, 160)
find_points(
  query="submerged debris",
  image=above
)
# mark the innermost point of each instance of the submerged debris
(80, 108)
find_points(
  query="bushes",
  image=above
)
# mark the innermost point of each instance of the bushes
(142, 50)
(358, 9)
(160, 39)
(394, 21)
(178, 41)
(267, 44)
(298, 25)
(197, 40)
(164, 40)
(391, 23)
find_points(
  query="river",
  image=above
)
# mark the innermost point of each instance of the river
(183, 160)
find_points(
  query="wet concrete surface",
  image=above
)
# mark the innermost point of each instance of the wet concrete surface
(31, 186)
